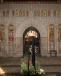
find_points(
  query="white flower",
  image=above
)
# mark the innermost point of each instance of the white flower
(42, 71)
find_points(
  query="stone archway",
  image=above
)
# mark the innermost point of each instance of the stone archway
(29, 34)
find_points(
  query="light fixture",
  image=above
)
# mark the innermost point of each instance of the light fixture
(2, 72)
(31, 33)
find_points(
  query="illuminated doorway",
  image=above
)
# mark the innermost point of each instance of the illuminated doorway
(28, 36)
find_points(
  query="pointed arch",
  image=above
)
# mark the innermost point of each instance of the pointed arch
(31, 28)
(25, 45)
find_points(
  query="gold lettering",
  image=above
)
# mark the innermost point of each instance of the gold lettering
(43, 12)
(16, 12)
(25, 13)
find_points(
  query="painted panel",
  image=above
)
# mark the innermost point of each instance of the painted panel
(11, 39)
(2, 40)
(59, 38)
(51, 33)
(51, 40)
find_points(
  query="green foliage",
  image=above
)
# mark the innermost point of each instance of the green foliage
(31, 71)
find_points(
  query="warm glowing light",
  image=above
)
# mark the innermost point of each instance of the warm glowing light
(31, 33)
(2, 71)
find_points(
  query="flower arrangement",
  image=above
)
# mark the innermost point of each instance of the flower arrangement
(31, 71)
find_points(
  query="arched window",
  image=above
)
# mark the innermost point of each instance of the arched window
(28, 36)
